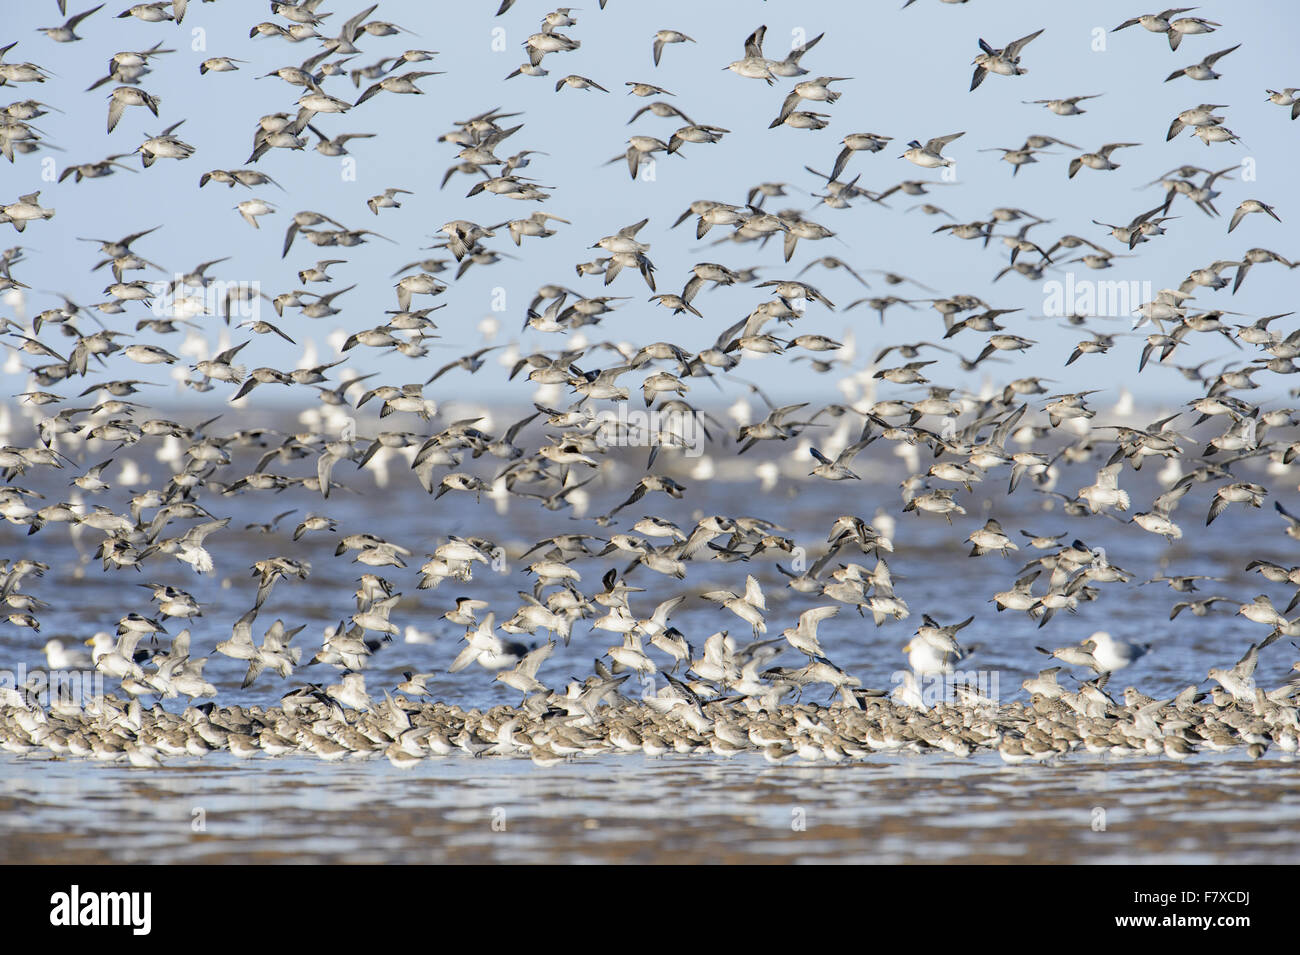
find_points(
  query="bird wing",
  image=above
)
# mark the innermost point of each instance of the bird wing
(937, 144)
(1015, 46)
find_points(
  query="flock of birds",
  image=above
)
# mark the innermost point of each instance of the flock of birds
(739, 689)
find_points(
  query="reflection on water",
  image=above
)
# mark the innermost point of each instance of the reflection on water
(636, 809)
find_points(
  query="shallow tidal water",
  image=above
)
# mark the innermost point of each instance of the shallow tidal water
(896, 809)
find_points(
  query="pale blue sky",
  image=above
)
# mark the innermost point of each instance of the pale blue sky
(910, 74)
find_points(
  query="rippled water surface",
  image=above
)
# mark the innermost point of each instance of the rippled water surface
(634, 809)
